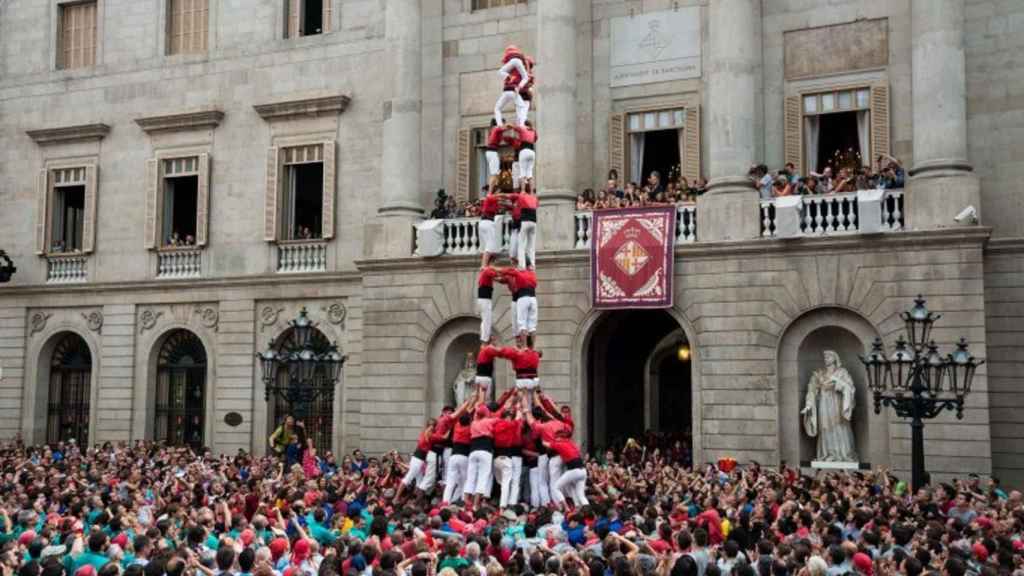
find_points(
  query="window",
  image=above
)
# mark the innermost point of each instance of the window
(300, 192)
(485, 4)
(69, 391)
(665, 140)
(308, 17)
(478, 178)
(67, 210)
(841, 128)
(77, 35)
(180, 391)
(187, 26)
(319, 414)
(177, 202)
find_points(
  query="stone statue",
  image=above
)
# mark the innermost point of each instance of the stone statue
(828, 411)
(465, 380)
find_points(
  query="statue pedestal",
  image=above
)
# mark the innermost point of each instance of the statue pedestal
(823, 465)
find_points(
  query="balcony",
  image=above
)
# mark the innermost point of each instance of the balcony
(175, 263)
(832, 214)
(70, 268)
(686, 226)
(301, 256)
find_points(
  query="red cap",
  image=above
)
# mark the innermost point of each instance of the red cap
(300, 551)
(121, 540)
(980, 552)
(86, 570)
(984, 521)
(278, 546)
(862, 563)
(26, 537)
(247, 536)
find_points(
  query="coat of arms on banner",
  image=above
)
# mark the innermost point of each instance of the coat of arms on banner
(631, 257)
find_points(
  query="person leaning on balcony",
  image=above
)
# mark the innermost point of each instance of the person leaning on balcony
(782, 187)
(808, 186)
(845, 182)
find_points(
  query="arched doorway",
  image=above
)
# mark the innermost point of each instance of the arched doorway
(180, 399)
(318, 415)
(637, 381)
(452, 350)
(70, 385)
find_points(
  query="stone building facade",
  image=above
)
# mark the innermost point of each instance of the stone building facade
(240, 125)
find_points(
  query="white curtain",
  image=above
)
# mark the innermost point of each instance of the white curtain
(636, 156)
(863, 136)
(812, 132)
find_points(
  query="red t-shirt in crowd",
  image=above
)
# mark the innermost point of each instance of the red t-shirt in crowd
(508, 433)
(462, 434)
(483, 427)
(550, 430)
(566, 448)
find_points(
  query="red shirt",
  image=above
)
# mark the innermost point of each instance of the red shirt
(461, 435)
(499, 136)
(483, 427)
(525, 361)
(424, 442)
(486, 277)
(508, 433)
(444, 425)
(521, 278)
(565, 448)
(527, 136)
(550, 430)
(550, 407)
(487, 355)
(489, 206)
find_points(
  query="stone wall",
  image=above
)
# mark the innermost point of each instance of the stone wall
(1004, 307)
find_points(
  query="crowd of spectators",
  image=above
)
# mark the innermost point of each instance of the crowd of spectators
(152, 510)
(446, 207)
(653, 192)
(887, 173)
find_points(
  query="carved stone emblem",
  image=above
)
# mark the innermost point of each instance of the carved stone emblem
(336, 314)
(268, 316)
(93, 320)
(148, 319)
(208, 316)
(37, 322)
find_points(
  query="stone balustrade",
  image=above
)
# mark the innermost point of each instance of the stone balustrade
(686, 225)
(66, 268)
(462, 235)
(299, 256)
(177, 263)
(833, 214)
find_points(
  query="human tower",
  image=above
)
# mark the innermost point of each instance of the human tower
(482, 442)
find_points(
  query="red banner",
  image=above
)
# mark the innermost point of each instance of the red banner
(631, 256)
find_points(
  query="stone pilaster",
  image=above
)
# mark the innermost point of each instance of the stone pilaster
(390, 234)
(941, 180)
(556, 121)
(112, 413)
(729, 210)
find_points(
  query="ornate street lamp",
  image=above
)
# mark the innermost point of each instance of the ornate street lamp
(935, 383)
(7, 268)
(312, 373)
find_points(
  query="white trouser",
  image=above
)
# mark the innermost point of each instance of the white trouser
(443, 464)
(488, 236)
(517, 480)
(527, 157)
(573, 483)
(485, 307)
(529, 385)
(415, 472)
(517, 175)
(513, 243)
(455, 478)
(429, 477)
(503, 475)
(539, 493)
(527, 244)
(554, 473)
(493, 162)
(526, 310)
(478, 473)
(522, 107)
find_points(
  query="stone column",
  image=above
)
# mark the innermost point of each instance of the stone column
(729, 210)
(556, 122)
(941, 180)
(390, 234)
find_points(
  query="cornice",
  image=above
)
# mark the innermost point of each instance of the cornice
(316, 106)
(65, 134)
(1005, 246)
(204, 119)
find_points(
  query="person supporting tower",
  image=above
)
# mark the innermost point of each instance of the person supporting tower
(508, 461)
(526, 363)
(456, 468)
(485, 301)
(419, 473)
(485, 365)
(515, 78)
(525, 284)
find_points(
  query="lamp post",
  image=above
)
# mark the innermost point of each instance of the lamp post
(7, 268)
(312, 371)
(917, 381)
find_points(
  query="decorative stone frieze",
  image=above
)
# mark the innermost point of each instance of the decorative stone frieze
(66, 134)
(201, 120)
(318, 106)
